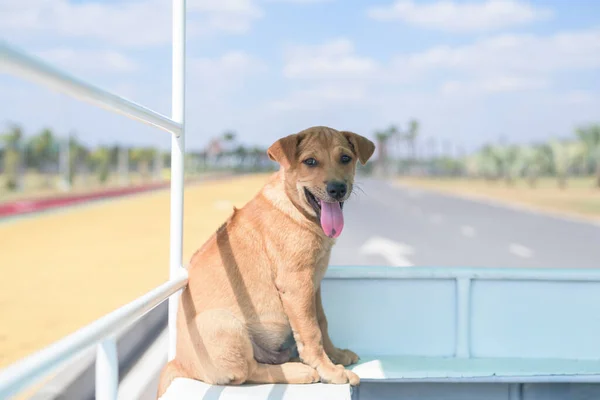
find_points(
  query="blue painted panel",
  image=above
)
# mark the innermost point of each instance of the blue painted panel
(526, 325)
(433, 391)
(390, 317)
(496, 369)
(561, 391)
(535, 319)
(476, 391)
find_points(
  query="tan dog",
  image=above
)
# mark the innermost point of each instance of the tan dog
(253, 302)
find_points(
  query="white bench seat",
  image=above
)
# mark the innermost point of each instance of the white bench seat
(402, 369)
(184, 389)
(440, 369)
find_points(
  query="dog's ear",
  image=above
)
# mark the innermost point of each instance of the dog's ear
(363, 147)
(283, 151)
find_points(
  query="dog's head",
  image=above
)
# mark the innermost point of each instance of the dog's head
(319, 164)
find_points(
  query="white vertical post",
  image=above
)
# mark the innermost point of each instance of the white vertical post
(177, 164)
(463, 323)
(107, 370)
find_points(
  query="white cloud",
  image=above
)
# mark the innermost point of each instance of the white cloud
(335, 59)
(320, 97)
(225, 72)
(124, 23)
(497, 64)
(512, 84)
(336, 73)
(299, 1)
(493, 84)
(461, 17)
(88, 61)
(580, 97)
(515, 56)
(513, 53)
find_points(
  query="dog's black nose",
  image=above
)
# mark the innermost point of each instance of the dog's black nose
(337, 190)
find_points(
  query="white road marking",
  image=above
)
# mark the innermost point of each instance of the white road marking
(435, 218)
(394, 252)
(520, 251)
(468, 231)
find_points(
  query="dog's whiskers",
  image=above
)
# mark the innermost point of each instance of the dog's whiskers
(355, 189)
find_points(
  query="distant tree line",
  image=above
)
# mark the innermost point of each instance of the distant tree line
(65, 157)
(577, 155)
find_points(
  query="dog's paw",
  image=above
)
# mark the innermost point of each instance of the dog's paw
(353, 379)
(343, 356)
(311, 376)
(338, 375)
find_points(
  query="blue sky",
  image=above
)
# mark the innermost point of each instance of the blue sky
(469, 71)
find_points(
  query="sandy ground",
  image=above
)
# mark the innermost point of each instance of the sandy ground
(62, 270)
(579, 199)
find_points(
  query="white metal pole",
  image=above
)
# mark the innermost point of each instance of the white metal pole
(107, 370)
(177, 164)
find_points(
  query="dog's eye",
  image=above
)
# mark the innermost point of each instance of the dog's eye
(311, 162)
(346, 159)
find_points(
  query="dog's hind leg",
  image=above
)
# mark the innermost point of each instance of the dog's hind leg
(222, 352)
(171, 371)
(290, 372)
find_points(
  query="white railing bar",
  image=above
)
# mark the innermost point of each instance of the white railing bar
(107, 370)
(30, 67)
(22, 374)
(177, 161)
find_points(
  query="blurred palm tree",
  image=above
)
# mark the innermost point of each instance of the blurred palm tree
(43, 152)
(13, 157)
(589, 137)
(143, 157)
(101, 161)
(565, 155)
(511, 162)
(394, 133)
(411, 137)
(258, 155)
(536, 159)
(241, 154)
(229, 136)
(78, 157)
(382, 138)
(490, 162)
(158, 165)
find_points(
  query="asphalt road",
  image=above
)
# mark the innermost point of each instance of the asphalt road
(407, 227)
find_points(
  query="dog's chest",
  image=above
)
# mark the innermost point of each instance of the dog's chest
(321, 264)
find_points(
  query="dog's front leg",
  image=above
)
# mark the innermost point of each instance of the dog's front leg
(299, 302)
(337, 356)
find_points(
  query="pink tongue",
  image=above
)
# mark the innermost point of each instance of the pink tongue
(332, 219)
